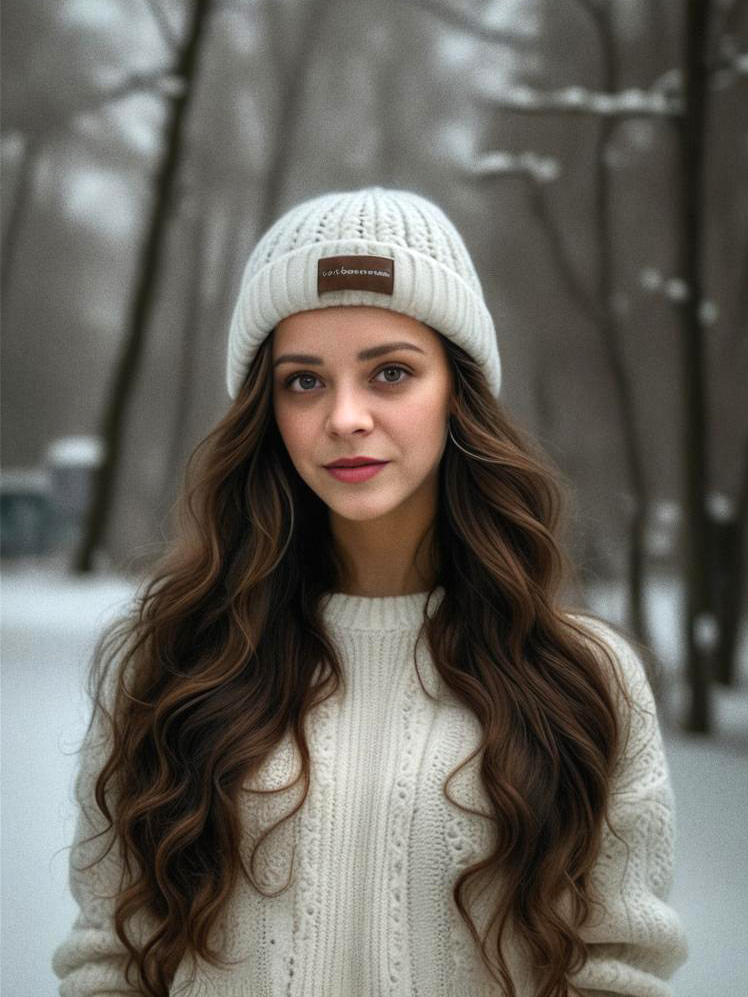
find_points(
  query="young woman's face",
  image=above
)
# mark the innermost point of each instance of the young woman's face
(335, 403)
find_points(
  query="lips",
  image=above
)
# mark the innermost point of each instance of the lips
(356, 462)
(360, 473)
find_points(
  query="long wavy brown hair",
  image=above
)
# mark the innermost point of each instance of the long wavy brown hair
(215, 662)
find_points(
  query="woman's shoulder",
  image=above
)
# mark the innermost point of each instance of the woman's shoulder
(642, 762)
(625, 654)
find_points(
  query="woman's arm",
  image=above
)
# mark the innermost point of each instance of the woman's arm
(636, 940)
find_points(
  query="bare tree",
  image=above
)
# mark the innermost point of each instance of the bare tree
(293, 76)
(184, 79)
(34, 138)
(22, 198)
(607, 106)
(699, 616)
(681, 98)
(727, 71)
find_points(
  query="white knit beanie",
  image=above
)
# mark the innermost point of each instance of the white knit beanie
(375, 246)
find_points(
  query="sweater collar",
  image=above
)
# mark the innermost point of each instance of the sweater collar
(387, 612)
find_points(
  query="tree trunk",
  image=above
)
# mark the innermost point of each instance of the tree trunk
(115, 411)
(610, 335)
(699, 620)
(22, 198)
(292, 93)
(732, 568)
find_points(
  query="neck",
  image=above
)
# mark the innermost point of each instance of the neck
(385, 559)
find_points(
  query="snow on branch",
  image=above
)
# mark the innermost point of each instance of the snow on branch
(654, 103)
(731, 67)
(675, 289)
(540, 168)
(116, 87)
(167, 32)
(537, 171)
(464, 21)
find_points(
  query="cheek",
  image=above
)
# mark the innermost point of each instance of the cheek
(421, 428)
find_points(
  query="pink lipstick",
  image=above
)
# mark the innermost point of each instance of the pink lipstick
(353, 474)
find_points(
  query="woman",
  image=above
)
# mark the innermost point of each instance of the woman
(324, 648)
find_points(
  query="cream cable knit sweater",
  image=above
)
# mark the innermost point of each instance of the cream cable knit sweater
(378, 846)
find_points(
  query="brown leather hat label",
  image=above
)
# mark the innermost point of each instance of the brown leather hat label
(360, 273)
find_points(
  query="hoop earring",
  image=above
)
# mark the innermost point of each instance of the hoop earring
(489, 460)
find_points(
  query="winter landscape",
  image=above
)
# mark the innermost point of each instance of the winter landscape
(48, 624)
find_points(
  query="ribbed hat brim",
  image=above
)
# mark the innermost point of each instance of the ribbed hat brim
(423, 289)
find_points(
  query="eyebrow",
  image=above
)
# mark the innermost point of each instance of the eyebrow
(373, 351)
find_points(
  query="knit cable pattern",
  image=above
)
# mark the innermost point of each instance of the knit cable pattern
(378, 846)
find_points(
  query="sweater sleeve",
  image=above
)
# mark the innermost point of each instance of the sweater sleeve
(635, 939)
(90, 961)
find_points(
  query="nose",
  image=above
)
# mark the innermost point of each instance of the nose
(349, 413)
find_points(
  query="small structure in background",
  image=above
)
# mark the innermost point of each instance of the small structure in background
(71, 463)
(25, 513)
(42, 508)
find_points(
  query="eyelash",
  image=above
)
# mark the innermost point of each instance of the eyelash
(389, 366)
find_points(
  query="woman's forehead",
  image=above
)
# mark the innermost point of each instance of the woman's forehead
(349, 328)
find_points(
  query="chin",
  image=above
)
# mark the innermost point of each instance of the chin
(359, 509)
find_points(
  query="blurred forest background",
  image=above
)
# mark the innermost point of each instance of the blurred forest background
(594, 154)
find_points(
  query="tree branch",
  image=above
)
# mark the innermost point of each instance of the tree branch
(463, 22)
(156, 79)
(728, 69)
(652, 103)
(163, 24)
(536, 171)
(540, 168)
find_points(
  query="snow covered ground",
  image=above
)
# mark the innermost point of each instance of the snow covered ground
(49, 624)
